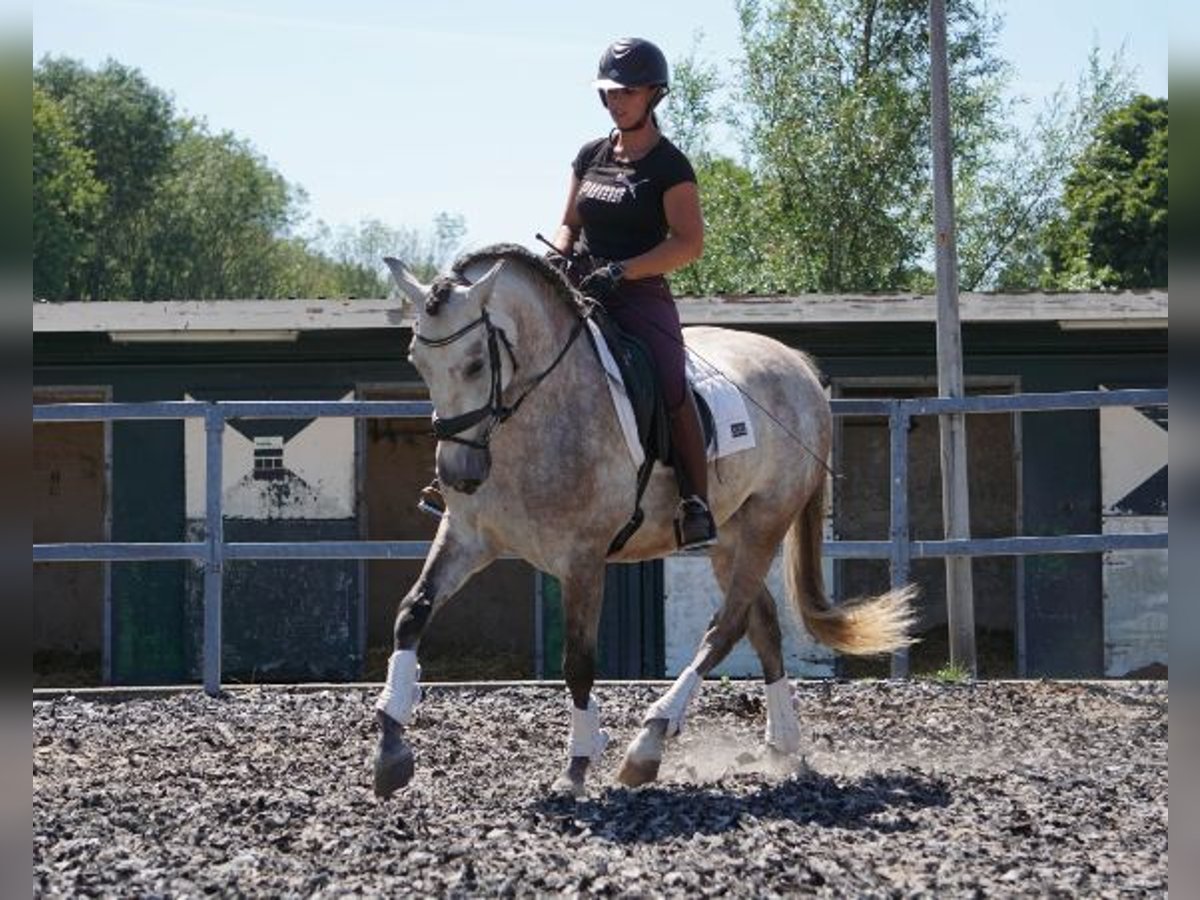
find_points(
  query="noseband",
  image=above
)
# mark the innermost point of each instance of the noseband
(495, 409)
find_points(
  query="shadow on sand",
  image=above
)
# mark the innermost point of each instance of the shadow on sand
(879, 802)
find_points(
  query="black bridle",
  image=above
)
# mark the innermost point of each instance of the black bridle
(495, 408)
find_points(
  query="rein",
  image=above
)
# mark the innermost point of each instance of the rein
(495, 408)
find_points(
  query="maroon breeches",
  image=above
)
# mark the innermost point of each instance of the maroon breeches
(646, 309)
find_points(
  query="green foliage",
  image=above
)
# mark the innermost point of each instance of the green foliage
(423, 253)
(126, 126)
(1011, 194)
(833, 192)
(837, 99)
(132, 201)
(1113, 232)
(67, 197)
(690, 109)
(211, 227)
(952, 673)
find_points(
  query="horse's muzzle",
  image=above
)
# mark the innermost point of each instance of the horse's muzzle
(461, 468)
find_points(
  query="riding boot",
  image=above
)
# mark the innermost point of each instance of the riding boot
(694, 526)
(432, 501)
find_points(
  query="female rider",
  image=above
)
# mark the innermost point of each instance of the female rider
(632, 216)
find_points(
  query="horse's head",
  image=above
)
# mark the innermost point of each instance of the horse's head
(462, 346)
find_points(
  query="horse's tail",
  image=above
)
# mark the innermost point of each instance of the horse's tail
(863, 626)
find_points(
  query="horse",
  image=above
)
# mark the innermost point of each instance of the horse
(533, 463)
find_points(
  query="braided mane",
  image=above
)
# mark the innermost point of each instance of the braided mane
(525, 257)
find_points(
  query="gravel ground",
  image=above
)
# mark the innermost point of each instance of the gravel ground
(906, 788)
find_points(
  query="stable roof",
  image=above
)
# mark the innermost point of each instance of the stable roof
(283, 319)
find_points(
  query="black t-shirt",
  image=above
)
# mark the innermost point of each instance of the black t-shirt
(621, 203)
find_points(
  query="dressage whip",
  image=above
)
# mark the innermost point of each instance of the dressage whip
(718, 371)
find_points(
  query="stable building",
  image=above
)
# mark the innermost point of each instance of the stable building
(346, 479)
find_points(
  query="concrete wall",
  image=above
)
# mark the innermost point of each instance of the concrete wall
(1133, 467)
(692, 598)
(70, 503)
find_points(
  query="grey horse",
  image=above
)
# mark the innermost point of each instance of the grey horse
(535, 465)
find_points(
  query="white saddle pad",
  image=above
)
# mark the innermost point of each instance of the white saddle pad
(734, 431)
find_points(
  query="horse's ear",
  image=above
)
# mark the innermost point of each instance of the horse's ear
(412, 289)
(481, 290)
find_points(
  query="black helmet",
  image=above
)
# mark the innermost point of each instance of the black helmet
(632, 62)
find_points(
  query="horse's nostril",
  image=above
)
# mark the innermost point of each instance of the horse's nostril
(468, 485)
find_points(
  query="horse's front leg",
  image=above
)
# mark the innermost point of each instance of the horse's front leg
(453, 559)
(583, 594)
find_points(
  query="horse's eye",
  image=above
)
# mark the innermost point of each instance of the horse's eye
(474, 368)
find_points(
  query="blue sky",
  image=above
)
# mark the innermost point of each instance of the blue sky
(400, 110)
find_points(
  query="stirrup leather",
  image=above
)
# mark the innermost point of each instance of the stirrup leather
(694, 526)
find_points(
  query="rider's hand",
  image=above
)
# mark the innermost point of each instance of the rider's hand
(560, 262)
(602, 283)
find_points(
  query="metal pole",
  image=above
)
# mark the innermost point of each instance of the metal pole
(539, 652)
(960, 606)
(901, 550)
(214, 535)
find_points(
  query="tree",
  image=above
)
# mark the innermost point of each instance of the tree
(425, 253)
(835, 98)
(132, 201)
(67, 198)
(213, 225)
(1009, 194)
(128, 127)
(833, 190)
(1113, 232)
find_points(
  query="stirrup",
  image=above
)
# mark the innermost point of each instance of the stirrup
(432, 502)
(694, 526)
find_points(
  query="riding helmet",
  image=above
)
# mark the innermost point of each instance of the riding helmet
(632, 62)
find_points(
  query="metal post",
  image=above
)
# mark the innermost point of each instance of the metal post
(214, 535)
(898, 420)
(539, 652)
(960, 605)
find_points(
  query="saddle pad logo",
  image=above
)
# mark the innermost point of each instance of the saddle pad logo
(737, 429)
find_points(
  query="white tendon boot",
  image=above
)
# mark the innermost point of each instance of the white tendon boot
(673, 705)
(586, 737)
(783, 728)
(400, 691)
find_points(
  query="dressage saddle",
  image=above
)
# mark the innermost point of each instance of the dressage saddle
(649, 411)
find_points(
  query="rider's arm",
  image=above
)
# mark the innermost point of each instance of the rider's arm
(568, 231)
(685, 237)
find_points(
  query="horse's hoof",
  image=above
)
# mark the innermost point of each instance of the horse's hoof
(785, 764)
(570, 782)
(566, 786)
(636, 772)
(394, 764)
(393, 770)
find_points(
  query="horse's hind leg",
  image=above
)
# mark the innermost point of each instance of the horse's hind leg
(783, 728)
(741, 562)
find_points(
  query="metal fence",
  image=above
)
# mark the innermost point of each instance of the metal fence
(899, 549)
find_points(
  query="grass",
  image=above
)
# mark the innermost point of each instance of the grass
(995, 656)
(952, 673)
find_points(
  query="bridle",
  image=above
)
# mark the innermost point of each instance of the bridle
(495, 409)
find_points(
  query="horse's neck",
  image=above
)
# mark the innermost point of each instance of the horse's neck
(571, 396)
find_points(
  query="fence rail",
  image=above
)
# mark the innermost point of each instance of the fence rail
(900, 549)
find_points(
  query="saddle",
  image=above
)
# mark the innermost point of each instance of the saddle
(640, 376)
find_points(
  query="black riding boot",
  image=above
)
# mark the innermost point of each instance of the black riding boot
(432, 501)
(694, 526)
